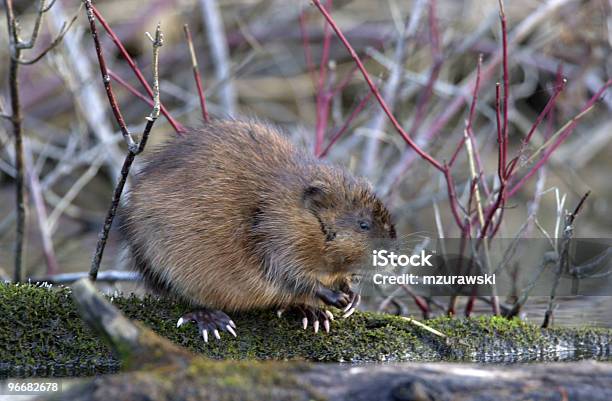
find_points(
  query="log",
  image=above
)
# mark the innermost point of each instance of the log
(168, 372)
(43, 335)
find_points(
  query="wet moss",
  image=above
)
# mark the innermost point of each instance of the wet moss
(42, 334)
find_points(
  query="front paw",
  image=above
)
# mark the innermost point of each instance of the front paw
(338, 299)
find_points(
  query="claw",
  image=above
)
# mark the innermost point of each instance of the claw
(329, 314)
(230, 330)
(231, 322)
(180, 322)
(279, 312)
(316, 326)
(217, 335)
(304, 322)
(326, 325)
(348, 313)
(357, 301)
(349, 306)
(205, 335)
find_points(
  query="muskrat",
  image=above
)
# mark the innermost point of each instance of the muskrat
(231, 216)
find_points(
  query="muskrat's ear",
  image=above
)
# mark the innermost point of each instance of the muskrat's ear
(316, 195)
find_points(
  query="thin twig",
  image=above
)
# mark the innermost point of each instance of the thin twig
(15, 49)
(562, 134)
(44, 225)
(133, 148)
(16, 45)
(58, 39)
(564, 262)
(178, 127)
(196, 73)
(506, 79)
(76, 68)
(306, 46)
(437, 60)
(324, 85)
(137, 93)
(425, 327)
(360, 106)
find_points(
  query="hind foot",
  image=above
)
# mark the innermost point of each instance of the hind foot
(209, 321)
(314, 316)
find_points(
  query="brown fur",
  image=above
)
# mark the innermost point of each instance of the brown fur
(231, 216)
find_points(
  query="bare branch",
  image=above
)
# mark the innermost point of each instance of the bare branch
(58, 39)
(133, 148)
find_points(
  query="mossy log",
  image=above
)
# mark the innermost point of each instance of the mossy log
(43, 335)
(163, 371)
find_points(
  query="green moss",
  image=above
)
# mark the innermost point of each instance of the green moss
(41, 331)
(42, 334)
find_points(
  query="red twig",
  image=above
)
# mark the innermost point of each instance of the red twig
(324, 95)
(375, 90)
(468, 219)
(506, 78)
(551, 102)
(550, 122)
(469, 307)
(135, 91)
(306, 46)
(470, 125)
(452, 196)
(346, 124)
(500, 134)
(547, 109)
(562, 137)
(456, 152)
(106, 77)
(178, 127)
(196, 73)
(436, 55)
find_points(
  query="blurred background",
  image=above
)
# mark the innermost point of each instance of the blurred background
(278, 61)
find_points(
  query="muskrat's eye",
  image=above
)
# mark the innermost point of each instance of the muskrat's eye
(364, 225)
